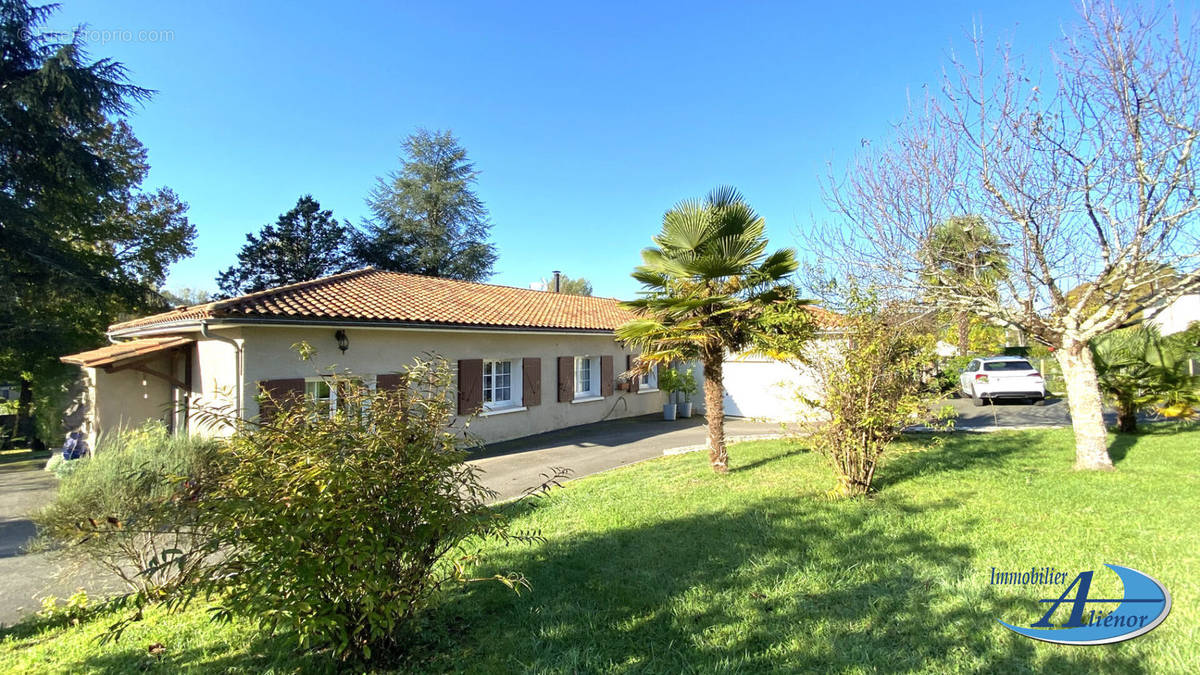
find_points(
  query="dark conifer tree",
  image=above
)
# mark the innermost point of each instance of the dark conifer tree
(304, 243)
(426, 218)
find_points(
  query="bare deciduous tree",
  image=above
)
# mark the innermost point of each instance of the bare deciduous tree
(1087, 179)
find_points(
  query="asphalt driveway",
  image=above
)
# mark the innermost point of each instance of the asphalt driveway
(1010, 414)
(25, 578)
(1003, 414)
(512, 467)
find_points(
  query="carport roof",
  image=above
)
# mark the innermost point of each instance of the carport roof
(125, 351)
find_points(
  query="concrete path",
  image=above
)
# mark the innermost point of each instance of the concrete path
(512, 467)
(26, 578)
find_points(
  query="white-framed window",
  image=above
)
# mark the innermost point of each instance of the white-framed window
(501, 384)
(325, 393)
(648, 381)
(587, 377)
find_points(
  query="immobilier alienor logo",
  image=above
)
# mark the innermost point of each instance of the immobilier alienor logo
(1144, 604)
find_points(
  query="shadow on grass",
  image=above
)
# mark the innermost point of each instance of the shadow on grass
(955, 452)
(259, 653)
(783, 585)
(790, 448)
(1123, 442)
(1121, 446)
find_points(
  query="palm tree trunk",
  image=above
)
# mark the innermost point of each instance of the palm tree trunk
(1126, 417)
(1083, 399)
(964, 333)
(714, 412)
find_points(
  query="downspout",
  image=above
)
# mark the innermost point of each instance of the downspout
(238, 366)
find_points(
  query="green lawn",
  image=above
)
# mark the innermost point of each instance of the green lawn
(22, 459)
(664, 567)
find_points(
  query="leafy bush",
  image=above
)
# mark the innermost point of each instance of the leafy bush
(339, 525)
(947, 374)
(669, 381)
(121, 506)
(871, 388)
(74, 610)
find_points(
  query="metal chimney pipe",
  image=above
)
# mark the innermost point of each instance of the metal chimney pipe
(557, 281)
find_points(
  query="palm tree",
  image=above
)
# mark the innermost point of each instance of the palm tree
(706, 283)
(1138, 368)
(963, 254)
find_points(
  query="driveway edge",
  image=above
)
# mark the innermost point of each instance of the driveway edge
(728, 441)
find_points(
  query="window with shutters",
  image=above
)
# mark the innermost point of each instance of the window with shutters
(648, 381)
(501, 385)
(325, 394)
(587, 378)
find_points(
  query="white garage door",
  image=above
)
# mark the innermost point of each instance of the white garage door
(763, 388)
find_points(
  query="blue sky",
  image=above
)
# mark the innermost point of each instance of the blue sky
(586, 120)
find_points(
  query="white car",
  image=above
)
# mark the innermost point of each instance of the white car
(1002, 377)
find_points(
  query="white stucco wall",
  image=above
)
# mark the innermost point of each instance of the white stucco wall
(268, 356)
(126, 399)
(1175, 317)
(215, 382)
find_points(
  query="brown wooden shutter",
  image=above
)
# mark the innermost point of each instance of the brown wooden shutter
(633, 379)
(278, 393)
(389, 381)
(531, 381)
(566, 379)
(606, 376)
(470, 386)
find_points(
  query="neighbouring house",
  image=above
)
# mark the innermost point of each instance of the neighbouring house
(527, 361)
(1176, 316)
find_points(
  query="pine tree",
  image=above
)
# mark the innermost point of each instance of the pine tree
(304, 243)
(426, 218)
(80, 243)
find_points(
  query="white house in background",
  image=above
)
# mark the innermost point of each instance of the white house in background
(1175, 317)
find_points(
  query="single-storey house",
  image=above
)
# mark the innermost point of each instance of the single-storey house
(529, 361)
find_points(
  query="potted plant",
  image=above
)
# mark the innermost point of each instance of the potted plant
(668, 381)
(687, 386)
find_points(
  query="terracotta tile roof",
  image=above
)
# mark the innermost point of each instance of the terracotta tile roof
(124, 351)
(388, 297)
(826, 320)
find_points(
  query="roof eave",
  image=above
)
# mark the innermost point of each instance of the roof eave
(233, 322)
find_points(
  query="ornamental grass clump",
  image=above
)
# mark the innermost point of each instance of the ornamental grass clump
(120, 507)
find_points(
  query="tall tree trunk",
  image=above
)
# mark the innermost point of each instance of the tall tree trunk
(1083, 398)
(714, 412)
(24, 425)
(964, 333)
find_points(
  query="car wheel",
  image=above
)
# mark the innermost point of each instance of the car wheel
(976, 399)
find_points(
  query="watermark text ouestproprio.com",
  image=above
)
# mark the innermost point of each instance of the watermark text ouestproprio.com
(102, 36)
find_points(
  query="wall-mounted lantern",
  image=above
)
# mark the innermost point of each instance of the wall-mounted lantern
(342, 340)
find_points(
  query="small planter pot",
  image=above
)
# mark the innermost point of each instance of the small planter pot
(669, 411)
(685, 409)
